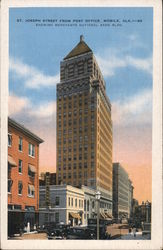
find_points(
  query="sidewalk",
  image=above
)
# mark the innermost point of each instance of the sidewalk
(138, 236)
(31, 236)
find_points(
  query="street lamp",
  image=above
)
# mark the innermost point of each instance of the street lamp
(98, 195)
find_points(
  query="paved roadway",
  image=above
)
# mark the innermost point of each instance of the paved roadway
(138, 236)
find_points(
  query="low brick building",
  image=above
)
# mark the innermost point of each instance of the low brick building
(23, 177)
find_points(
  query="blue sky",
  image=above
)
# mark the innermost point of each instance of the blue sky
(124, 54)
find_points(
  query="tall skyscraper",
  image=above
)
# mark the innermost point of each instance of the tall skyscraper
(84, 125)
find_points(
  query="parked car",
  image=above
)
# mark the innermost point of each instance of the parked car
(103, 234)
(59, 231)
(79, 233)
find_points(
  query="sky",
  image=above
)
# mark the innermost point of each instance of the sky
(122, 41)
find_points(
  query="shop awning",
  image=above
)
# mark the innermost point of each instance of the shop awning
(75, 215)
(102, 215)
(11, 161)
(32, 188)
(32, 168)
(108, 215)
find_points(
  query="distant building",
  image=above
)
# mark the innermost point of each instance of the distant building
(23, 177)
(122, 192)
(66, 204)
(90, 205)
(51, 178)
(142, 212)
(135, 205)
(84, 125)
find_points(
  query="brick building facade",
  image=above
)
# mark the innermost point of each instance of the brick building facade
(23, 176)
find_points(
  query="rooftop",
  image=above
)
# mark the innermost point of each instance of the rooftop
(24, 130)
(80, 48)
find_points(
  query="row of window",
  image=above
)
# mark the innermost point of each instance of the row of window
(20, 169)
(75, 96)
(69, 105)
(75, 165)
(69, 140)
(75, 202)
(31, 147)
(75, 157)
(69, 150)
(87, 205)
(31, 188)
(80, 175)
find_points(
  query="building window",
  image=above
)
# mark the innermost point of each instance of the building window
(80, 175)
(57, 217)
(72, 202)
(84, 205)
(20, 166)
(80, 156)
(31, 191)
(20, 144)
(85, 165)
(93, 204)
(20, 188)
(69, 201)
(76, 203)
(31, 150)
(9, 140)
(92, 173)
(87, 205)
(31, 171)
(9, 185)
(57, 200)
(80, 165)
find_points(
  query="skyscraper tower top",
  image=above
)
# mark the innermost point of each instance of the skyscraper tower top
(80, 48)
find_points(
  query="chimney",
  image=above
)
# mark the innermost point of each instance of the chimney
(81, 38)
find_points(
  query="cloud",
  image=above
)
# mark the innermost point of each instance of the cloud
(17, 104)
(111, 61)
(135, 109)
(142, 64)
(44, 110)
(33, 78)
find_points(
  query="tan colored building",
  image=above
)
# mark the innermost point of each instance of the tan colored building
(84, 126)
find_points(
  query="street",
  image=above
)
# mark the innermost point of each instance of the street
(116, 231)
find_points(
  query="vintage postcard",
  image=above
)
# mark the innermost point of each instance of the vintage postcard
(81, 125)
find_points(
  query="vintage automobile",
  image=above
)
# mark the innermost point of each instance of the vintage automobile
(103, 235)
(80, 233)
(59, 231)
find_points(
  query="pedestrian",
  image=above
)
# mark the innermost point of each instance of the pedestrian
(134, 231)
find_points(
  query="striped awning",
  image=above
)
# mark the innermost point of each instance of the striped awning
(11, 161)
(75, 215)
(32, 168)
(102, 215)
(108, 215)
